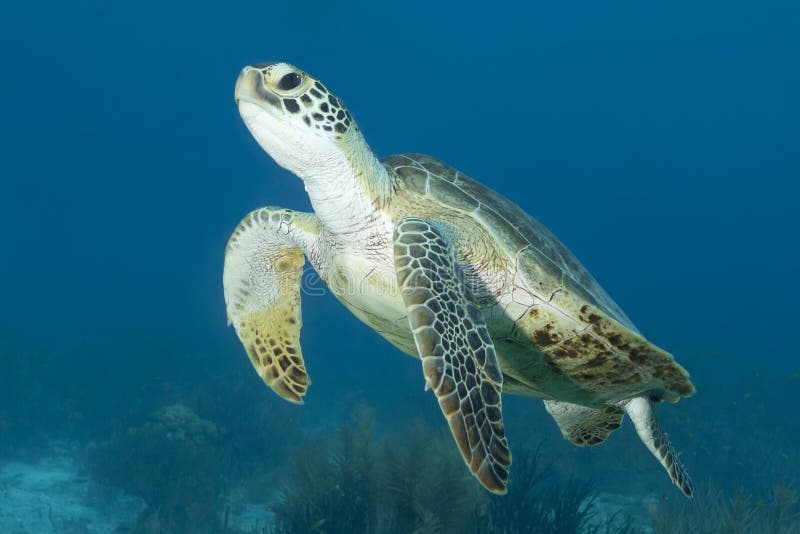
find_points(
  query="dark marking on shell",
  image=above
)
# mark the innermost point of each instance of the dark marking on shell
(597, 361)
(637, 356)
(544, 339)
(616, 340)
(561, 353)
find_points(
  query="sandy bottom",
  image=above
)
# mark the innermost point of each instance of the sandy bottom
(51, 495)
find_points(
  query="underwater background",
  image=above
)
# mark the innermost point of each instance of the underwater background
(658, 141)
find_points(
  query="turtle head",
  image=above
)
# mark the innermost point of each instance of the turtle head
(294, 117)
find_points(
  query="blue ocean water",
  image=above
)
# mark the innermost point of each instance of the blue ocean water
(659, 142)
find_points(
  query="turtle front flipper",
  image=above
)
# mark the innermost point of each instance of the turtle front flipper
(457, 353)
(263, 268)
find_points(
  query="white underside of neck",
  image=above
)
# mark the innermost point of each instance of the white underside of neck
(349, 215)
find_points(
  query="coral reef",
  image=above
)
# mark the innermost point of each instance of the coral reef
(172, 463)
(254, 426)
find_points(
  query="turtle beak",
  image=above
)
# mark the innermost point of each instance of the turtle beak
(250, 87)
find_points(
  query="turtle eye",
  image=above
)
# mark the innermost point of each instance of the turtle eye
(289, 81)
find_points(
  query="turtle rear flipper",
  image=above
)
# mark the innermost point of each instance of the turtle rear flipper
(582, 425)
(263, 267)
(647, 426)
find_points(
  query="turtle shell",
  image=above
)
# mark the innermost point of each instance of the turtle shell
(598, 352)
(520, 233)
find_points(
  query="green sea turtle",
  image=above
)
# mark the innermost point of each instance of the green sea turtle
(445, 269)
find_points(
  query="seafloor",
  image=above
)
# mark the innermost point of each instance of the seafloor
(225, 455)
